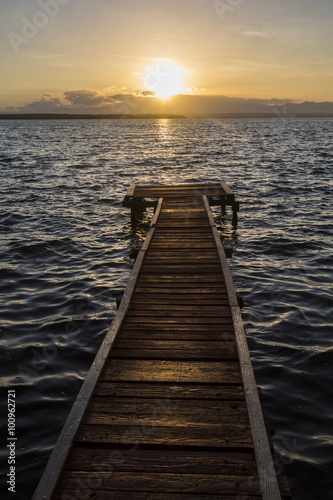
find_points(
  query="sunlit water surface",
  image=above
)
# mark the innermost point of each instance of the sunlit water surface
(65, 245)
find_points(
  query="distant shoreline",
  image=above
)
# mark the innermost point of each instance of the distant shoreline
(87, 116)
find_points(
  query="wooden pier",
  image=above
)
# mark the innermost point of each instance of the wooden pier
(170, 409)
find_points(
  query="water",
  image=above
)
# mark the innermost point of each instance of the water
(65, 244)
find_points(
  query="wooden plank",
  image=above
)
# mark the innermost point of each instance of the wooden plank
(213, 282)
(196, 301)
(191, 414)
(221, 436)
(179, 260)
(191, 213)
(228, 192)
(189, 255)
(167, 418)
(180, 291)
(190, 237)
(172, 371)
(183, 279)
(188, 309)
(184, 462)
(207, 484)
(184, 411)
(174, 294)
(159, 246)
(269, 485)
(185, 233)
(174, 187)
(204, 354)
(180, 269)
(174, 391)
(182, 211)
(145, 495)
(183, 214)
(149, 344)
(130, 191)
(168, 310)
(181, 193)
(172, 224)
(226, 337)
(65, 441)
(178, 320)
(182, 329)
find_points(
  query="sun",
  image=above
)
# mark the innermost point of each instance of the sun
(165, 80)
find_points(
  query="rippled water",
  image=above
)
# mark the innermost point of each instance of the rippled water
(64, 254)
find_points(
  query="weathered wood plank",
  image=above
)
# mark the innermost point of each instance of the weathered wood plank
(130, 191)
(141, 309)
(179, 311)
(183, 354)
(180, 320)
(199, 261)
(194, 185)
(184, 411)
(63, 494)
(150, 344)
(200, 234)
(190, 194)
(180, 291)
(181, 329)
(198, 280)
(180, 224)
(158, 415)
(176, 254)
(174, 391)
(164, 461)
(195, 245)
(223, 436)
(156, 482)
(227, 191)
(172, 371)
(173, 214)
(180, 269)
(214, 286)
(227, 337)
(171, 300)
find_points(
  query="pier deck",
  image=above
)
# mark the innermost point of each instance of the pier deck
(170, 409)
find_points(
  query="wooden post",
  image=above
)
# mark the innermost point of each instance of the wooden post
(223, 205)
(138, 207)
(235, 208)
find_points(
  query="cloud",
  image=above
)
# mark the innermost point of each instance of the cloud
(84, 98)
(147, 93)
(255, 34)
(85, 101)
(46, 104)
(71, 101)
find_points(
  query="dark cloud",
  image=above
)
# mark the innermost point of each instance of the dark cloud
(84, 98)
(46, 104)
(148, 93)
(91, 101)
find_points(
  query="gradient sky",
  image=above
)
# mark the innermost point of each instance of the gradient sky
(239, 48)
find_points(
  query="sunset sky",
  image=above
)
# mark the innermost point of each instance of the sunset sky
(80, 54)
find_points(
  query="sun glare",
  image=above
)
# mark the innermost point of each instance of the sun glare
(164, 80)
